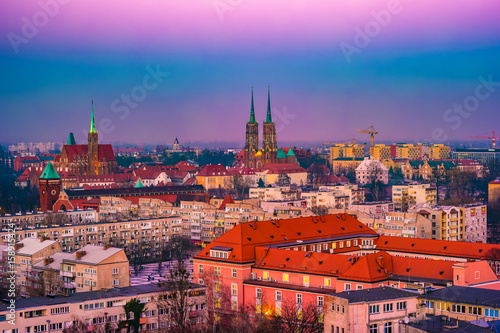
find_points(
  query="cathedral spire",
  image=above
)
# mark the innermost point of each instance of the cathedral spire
(268, 118)
(92, 124)
(252, 112)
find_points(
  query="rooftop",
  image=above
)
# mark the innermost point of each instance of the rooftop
(466, 295)
(375, 294)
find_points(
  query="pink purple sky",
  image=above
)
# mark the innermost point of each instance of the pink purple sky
(424, 58)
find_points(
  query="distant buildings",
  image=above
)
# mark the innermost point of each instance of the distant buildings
(483, 155)
(371, 170)
(404, 196)
(426, 170)
(32, 147)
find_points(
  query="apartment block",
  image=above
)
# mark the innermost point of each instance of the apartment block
(448, 222)
(273, 193)
(32, 219)
(380, 152)
(100, 311)
(404, 196)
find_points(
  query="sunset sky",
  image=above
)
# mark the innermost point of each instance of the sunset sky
(403, 73)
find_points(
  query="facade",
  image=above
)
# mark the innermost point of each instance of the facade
(23, 162)
(463, 303)
(273, 193)
(370, 310)
(344, 164)
(40, 219)
(28, 252)
(99, 310)
(479, 154)
(404, 196)
(448, 222)
(380, 152)
(411, 225)
(90, 159)
(376, 210)
(426, 169)
(214, 177)
(494, 191)
(371, 170)
(475, 223)
(270, 173)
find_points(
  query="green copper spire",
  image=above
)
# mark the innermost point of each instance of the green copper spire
(139, 184)
(252, 112)
(92, 124)
(268, 118)
(49, 172)
(71, 139)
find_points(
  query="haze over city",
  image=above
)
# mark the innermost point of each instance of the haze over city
(333, 68)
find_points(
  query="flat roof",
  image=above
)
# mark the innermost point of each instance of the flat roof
(375, 294)
(467, 295)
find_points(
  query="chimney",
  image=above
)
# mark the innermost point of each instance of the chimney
(107, 246)
(18, 246)
(80, 254)
(380, 261)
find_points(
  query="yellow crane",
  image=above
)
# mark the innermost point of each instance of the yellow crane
(372, 134)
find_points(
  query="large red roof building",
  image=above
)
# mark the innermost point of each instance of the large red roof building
(309, 258)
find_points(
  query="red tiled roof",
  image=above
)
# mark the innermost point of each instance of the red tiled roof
(282, 168)
(185, 166)
(213, 170)
(28, 159)
(244, 237)
(302, 261)
(226, 200)
(435, 247)
(105, 152)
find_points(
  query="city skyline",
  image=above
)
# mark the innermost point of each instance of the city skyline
(333, 69)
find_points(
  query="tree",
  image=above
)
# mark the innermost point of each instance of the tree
(133, 310)
(319, 210)
(261, 183)
(176, 299)
(493, 258)
(241, 184)
(298, 317)
(315, 173)
(53, 219)
(283, 180)
(179, 247)
(78, 326)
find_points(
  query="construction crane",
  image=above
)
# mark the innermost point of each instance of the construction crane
(493, 138)
(372, 134)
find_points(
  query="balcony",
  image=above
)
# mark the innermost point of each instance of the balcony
(68, 274)
(69, 285)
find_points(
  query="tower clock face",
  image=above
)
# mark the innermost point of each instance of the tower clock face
(53, 192)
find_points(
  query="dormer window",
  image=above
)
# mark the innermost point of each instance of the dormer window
(220, 252)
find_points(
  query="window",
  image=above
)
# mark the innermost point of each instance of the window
(374, 328)
(258, 293)
(234, 305)
(328, 282)
(234, 273)
(217, 271)
(306, 281)
(347, 286)
(401, 306)
(429, 304)
(320, 301)
(474, 310)
(359, 286)
(285, 277)
(457, 308)
(115, 270)
(116, 282)
(388, 327)
(234, 289)
(299, 298)
(217, 303)
(374, 309)
(217, 287)
(278, 296)
(200, 269)
(491, 313)
(348, 244)
(355, 242)
(388, 307)
(266, 275)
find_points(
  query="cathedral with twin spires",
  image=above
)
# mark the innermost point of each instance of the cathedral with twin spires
(253, 157)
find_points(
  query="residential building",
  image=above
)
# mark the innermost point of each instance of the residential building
(426, 170)
(28, 252)
(404, 196)
(475, 223)
(483, 155)
(371, 170)
(23, 162)
(448, 222)
(376, 210)
(270, 173)
(214, 177)
(370, 310)
(380, 152)
(439, 151)
(100, 310)
(411, 225)
(463, 303)
(91, 268)
(494, 191)
(40, 219)
(345, 164)
(273, 193)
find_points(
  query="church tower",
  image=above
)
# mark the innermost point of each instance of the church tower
(93, 148)
(50, 186)
(269, 143)
(252, 139)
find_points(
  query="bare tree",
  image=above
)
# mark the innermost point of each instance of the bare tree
(297, 317)
(78, 326)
